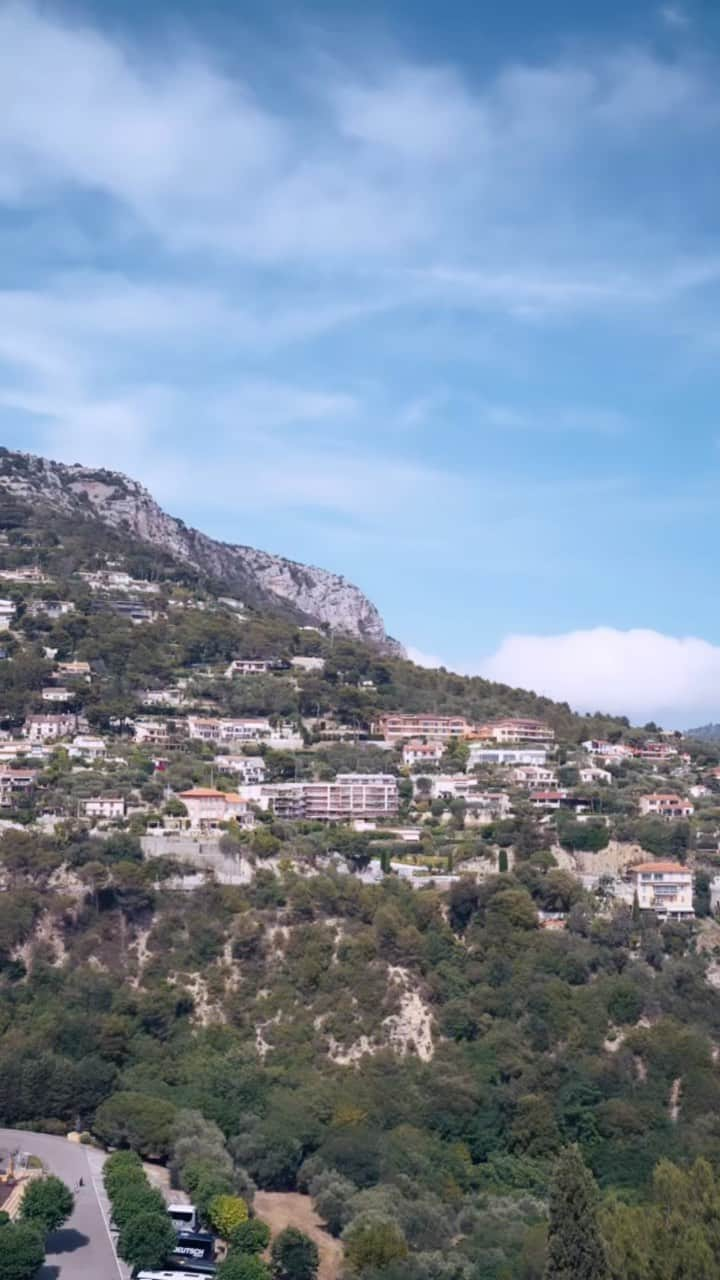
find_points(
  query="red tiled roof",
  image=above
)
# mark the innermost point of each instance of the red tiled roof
(670, 868)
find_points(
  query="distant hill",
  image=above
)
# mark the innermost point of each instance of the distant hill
(302, 593)
(705, 733)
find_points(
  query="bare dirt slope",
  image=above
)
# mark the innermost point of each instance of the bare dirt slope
(282, 1209)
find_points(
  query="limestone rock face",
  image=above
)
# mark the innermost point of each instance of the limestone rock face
(259, 579)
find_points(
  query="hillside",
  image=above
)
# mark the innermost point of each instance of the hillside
(249, 929)
(705, 733)
(256, 577)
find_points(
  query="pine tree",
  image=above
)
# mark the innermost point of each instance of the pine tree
(575, 1246)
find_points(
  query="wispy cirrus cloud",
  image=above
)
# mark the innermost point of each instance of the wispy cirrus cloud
(674, 16)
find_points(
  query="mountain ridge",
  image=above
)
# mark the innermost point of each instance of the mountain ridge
(260, 578)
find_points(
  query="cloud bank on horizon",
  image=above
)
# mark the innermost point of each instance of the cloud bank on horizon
(640, 673)
(433, 305)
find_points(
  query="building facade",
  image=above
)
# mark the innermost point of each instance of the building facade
(665, 888)
(666, 805)
(351, 795)
(480, 754)
(207, 808)
(393, 727)
(516, 729)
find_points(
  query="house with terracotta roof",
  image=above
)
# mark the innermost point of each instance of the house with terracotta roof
(515, 729)
(207, 808)
(655, 751)
(666, 805)
(559, 799)
(418, 752)
(404, 724)
(665, 888)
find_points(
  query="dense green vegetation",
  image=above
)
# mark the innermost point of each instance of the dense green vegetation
(538, 1042)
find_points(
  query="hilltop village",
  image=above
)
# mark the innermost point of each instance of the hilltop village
(258, 730)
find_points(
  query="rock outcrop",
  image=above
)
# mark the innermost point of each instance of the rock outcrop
(259, 579)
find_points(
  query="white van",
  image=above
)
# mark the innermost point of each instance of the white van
(183, 1216)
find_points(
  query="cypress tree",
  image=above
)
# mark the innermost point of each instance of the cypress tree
(575, 1246)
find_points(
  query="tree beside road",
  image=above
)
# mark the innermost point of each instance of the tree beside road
(22, 1250)
(47, 1203)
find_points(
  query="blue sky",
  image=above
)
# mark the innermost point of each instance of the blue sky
(426, 294)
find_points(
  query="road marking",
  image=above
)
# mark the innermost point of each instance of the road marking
(99, 1195)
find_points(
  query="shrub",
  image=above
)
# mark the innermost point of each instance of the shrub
(241, 1266)
(251, 1236)
(226, 1213)
(294, 1256)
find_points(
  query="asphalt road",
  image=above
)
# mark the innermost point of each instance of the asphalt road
(82, 1249)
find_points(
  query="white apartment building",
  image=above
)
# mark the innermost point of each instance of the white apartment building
(481, 754)
(51, 608)
(13, 749)
(85, 744)
(516, 729)
(246, 730)
(117, 580)
(486, 806)
(56, 693)
(453, 786)
(162, 698)
(7, 613)
(666, 805)
(207, 807)
(534, 776)
(157, 733)
(351, 795)
(422, 725)
(665, 888)
(248, 769)
(108, 807)
(593, 773)
(28, 574)
(607, 750)
(251, 667)
(208, 729)
(76, 669)
(417, 752)
(40, 727)
(14, 782)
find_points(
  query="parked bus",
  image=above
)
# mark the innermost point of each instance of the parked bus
(193, 1245)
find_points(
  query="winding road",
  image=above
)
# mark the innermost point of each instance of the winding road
(82, 1249)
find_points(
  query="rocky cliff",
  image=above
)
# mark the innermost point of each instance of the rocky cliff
(259, 579)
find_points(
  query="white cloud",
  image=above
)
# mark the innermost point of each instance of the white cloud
(422, 659)
(639, 673)
(673, 16)
(344, 164)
